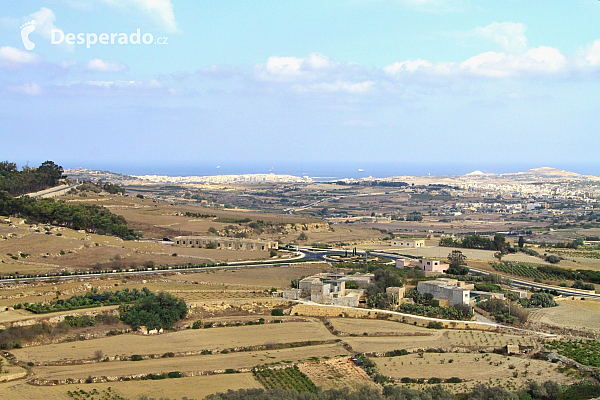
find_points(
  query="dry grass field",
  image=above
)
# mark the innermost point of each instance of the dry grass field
(196, 387)
(337, 373)
(575, 314)
(189, 363)
(373, 326)
(38, 243)
(491, 368)
(279, 277)
(445, 338)
(181, 341)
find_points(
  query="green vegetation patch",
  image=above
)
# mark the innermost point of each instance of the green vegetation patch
(586, 352)
(284, 378)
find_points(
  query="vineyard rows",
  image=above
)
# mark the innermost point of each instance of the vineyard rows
(584, 352)
(285, 378)
(523, 269)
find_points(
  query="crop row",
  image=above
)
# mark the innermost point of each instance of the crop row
(523, 269)
(285, 378)
(584, 352)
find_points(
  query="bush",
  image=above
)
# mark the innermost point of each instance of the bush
(174, 374)
(277, 312)
(542, 300)
(552, 259)
(435, 325)
(454, 379)
(197, 324)
(159, 311)
(136, 357)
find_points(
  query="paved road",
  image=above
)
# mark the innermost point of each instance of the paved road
(322, 255)
(52, 192)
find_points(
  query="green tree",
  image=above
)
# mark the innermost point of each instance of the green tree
(457, 259)
(500, 242)
(521, 242)
(154, 311)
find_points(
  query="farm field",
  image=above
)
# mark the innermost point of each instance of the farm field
(33, 293)
(446, 339)
(494, 368)
(471, 254)
(260, 277)
(187, 340)
(577, 314)
(586, 352)
(22, 315)
(189, 363)
(336, 373)
(196, 387)
(373, 326)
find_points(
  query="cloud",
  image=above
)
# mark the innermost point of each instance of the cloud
(509, 35)
(290, 68)
(29, 89)
(99, 65)
(541, 60)
(161, 11)
(113, 88)
(591, 55)
(13, 58)
(407, 66)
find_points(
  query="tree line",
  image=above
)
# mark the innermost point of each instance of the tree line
(533, 390)
(91, 218)
(28, 180)
(498, 243)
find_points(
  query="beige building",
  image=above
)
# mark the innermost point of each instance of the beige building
(407, 243)
(404, 263)
(331, 289)
(446, 290)
(225, 243)
(397, 293)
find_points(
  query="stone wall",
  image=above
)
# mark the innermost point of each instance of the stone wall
(332, 311)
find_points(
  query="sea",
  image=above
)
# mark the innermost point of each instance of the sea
(327, 171)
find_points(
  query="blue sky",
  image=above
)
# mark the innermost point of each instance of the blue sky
(457, 82)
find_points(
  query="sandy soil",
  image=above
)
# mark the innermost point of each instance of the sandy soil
(575, 314)
(472, 367)
(337, 373)
(187, 340)
(195, 387)
(190, 363)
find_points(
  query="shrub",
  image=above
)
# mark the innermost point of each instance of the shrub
(277, 312)
(174, 374)
(197, 324)
(435, 325)
(454, 379)
(154, 311)
(136, 357)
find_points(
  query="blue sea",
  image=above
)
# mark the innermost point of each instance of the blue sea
(325, 171)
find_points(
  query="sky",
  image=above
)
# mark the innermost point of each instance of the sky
(483, 84)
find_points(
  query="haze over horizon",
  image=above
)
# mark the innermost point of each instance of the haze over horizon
(442, 86)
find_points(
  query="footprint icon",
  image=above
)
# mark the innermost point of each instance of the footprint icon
(26, 29)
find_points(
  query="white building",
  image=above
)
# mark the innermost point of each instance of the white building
(408, 243)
